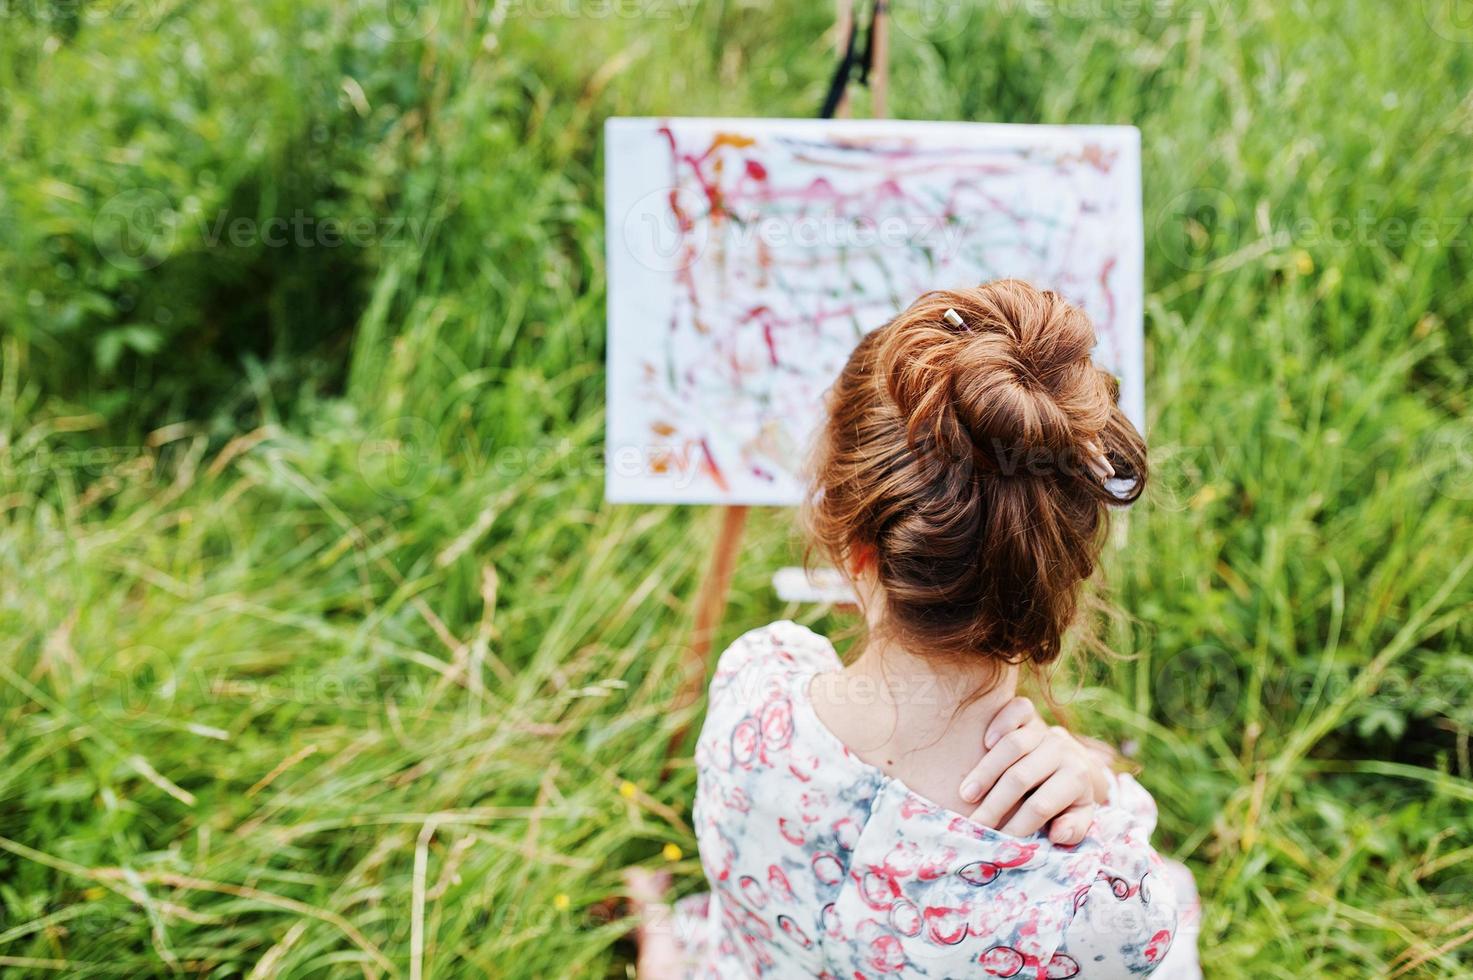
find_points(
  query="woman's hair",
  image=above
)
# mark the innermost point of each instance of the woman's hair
(960, 458)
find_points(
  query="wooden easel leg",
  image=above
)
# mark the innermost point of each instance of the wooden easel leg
(879, 85)
(844, 18)
(710, 604)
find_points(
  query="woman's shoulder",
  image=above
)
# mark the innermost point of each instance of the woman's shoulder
(781, 647)
(758, 706)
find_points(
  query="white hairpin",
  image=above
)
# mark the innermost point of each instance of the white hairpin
(955, 319)
(1096, 461)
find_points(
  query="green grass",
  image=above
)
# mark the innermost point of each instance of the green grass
(322, 655)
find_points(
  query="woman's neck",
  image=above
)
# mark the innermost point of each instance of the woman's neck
(929, 698)
(919, 719)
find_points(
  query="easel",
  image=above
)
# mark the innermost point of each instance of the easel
(874, 67)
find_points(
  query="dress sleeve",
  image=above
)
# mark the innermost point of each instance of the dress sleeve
(749, 713)
(1125, 920)
(777, 650)
(933, 894)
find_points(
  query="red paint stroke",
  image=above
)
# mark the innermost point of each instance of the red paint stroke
(712, 469)
(1104, 280)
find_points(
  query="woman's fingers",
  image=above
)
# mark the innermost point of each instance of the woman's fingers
(1031, 775)
(1013, 715)
(1014, 784)
(1071, 826)
(997, 760)
(1061, 790)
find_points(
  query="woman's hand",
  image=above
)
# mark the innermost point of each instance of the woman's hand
(1033, 774)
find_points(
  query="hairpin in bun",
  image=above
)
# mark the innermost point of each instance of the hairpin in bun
(1096, 461)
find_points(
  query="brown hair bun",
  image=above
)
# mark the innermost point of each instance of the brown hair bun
(961, 457)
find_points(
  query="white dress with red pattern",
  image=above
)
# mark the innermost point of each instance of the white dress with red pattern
(822, 866)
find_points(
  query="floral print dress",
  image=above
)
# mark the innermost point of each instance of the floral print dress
(822, 866)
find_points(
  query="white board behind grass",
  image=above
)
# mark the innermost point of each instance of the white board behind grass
(746, 257)
(793, 584)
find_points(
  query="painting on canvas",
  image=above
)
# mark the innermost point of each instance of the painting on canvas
(747, 257)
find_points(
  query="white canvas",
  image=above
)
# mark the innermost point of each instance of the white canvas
(746, 257)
